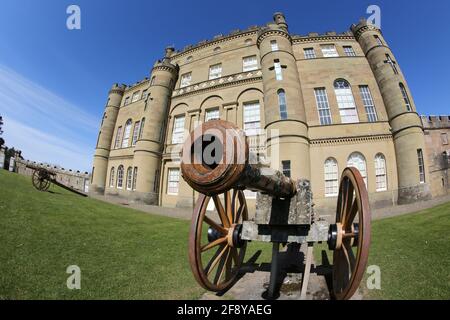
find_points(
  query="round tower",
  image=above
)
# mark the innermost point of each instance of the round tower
(104, 141)
(149, 147)
(286, 127)
(405, 123)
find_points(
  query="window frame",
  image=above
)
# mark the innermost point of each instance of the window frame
(331, 177)
(251, 127)
(323, 106)
(171, 180)
(212, 75)
(369, 104)
(185, 79)
(126, 134)
(282, 98)
(210, 111)
(380, 173)
(330, 52)
(349, 51)
(345, 98)
(178, 130)
(250, 67)
(129, 180)
(119, 179)
(309, 53)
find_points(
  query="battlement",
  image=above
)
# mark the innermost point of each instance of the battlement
(54, 168)
(435, 122)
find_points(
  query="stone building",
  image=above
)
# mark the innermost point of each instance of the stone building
(337, 100)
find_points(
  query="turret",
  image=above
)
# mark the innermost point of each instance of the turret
(283, 100)
(104, 140)
(406, 125)
(149, 147)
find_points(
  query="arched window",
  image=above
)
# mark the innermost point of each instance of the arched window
(141, 128)
(282, 104)
(380, 172)
(111, 178)
(129, 178)
(135, 132)
(331, 177)
(346, 102)
(405, 96)
(134, 178)
(358, 161)
(118, 137)
(120, 177)
(126, 133)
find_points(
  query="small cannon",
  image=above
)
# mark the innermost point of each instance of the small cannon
(42, 179)
(217, 163)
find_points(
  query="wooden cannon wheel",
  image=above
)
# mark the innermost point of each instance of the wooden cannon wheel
(353, 234)
(41, 180)
(216, 252)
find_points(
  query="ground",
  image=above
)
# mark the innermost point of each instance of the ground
(128, 254)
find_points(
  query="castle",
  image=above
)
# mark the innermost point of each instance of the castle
(337, 100)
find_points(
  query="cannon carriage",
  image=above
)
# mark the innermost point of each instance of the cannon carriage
(216, 162)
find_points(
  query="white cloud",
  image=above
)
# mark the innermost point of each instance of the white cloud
(43, 125)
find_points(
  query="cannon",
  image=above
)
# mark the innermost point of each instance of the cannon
(216, 162)
(42, 179)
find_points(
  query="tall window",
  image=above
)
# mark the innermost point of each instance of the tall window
(141, 127)
(135, 132)
(212, 114)
(120, 177)
(331, 177)
(346, 103)
(380, 172)
(178, 130)
(152, 81)
(129, 178)
(185, 79)
(215, 71)
(358, 161)
(173, 181)
(282, 104)
(135, 97)
(421, 166)
(118, 137)
(127, 101)
(277, 67)
(366, 97)
(378, 40)
(111, 177)
(156, 182)
(274, 45)
(286, 164)
(329, 50)
(405, 97)
(126, 133)
(133, 185)
(249, 63)
(252, 118)
(309, 53)
(322, 106)
(349, 52)
(144, 94)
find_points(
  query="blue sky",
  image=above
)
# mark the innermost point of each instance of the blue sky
(54, 81)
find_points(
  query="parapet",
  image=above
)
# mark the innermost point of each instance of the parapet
(435, 122)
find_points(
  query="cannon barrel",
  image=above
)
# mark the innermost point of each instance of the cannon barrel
(216, 158)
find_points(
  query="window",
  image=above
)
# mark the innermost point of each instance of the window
(135, 97)
(286, 164)
(358, 161)
(133, 185)
(156, 182)
(322, 106)
(126, 133)
(249, 63)
(215, 71)
(212, 114)
(331, 177)
(380, 172)
(178, 130)
(173, 181)
(366, 97)
(129, 178)
(186, 79)
(189, 59)
(309, 53)
(282, 104)
(248, 42)
(277, 67)
(349, 52)
(329, 50)
(346, 103)
(135, 133)
(252, 119)
(111, 177)
(141, 127)
(120, 177)
(273, 45)
(144, 94)
(378, 40)
(127, 101)
(392, 63)
(152, 81)
(405, 97)
(444, 138)
(421, 166)
(118, 137)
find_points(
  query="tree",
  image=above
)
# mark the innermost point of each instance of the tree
(2, 141)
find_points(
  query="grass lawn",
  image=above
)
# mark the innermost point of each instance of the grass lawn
(127, 254)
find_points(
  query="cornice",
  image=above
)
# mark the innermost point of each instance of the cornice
(346, 140)
(322, 38)
(270, 32)
(361, 30)
(165, 67)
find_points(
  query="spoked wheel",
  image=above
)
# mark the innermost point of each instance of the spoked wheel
(350, 236)
(216, 251)
(41, 180)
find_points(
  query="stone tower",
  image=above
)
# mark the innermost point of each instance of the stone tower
(105, 136)
(406, 125)
(149, 147)
(281, 78)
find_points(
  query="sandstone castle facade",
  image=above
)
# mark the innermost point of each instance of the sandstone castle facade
(337, 100)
